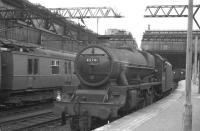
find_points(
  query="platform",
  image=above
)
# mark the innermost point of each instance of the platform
(164, 115)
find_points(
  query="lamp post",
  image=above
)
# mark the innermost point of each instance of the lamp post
(188, 105)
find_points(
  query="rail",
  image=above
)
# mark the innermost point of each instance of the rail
(30, 122)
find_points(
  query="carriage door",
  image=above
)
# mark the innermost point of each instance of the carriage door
(68, 72)
(32, 72)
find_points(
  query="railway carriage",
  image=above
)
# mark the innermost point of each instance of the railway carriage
(35, 75)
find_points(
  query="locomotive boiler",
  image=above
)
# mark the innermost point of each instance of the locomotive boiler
(95, 66)
(113, 82)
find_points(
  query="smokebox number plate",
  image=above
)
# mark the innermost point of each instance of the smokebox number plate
(92, 60)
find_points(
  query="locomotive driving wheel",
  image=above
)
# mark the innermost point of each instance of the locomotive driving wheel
(74, 124)
(149, 97)
(81, 123)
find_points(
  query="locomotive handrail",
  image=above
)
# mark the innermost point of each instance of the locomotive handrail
(140, 66)
(139, 86)
(93, 54)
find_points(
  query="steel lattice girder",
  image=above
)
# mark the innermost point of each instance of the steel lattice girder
(52, 13)
(171, 11)
(86, 12)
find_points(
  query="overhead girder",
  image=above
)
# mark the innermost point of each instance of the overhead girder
(171, 11)
(59, 13)
(86, 12)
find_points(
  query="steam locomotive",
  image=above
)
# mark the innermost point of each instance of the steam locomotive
(179, 74)
(113, 82)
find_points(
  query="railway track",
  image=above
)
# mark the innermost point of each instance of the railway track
(31, 122)
(24, 110)
(31, 118)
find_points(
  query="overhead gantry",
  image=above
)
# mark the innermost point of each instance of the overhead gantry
(86, 12)
(171, 11)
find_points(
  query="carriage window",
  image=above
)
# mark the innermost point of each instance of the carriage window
(33, 66)
(55, 66)
(72, 67)
(66, 70)
(30, 67)
(69, 67)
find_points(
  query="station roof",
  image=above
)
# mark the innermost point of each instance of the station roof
(167, 34)
(25, 4)
(14, 43)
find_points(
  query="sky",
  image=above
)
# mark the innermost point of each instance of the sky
(133, 12)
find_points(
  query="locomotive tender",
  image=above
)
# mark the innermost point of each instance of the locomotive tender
(113, 82)
(34, 75)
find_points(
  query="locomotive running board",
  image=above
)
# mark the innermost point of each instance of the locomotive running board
(141, 86)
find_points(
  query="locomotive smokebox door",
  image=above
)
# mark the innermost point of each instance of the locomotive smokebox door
(93, 66)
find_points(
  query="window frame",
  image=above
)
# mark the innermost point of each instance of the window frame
(55, 67)
(68, 67)
(33, 66)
